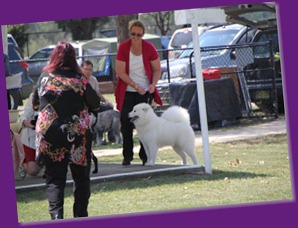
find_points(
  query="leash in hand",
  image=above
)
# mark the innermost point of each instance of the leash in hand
(150, 97)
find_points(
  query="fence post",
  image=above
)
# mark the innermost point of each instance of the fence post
(274, 73)
(201, 92)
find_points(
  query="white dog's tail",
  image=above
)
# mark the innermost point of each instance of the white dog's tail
(176, 114)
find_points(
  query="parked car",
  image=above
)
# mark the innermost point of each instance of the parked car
(11, 40)
(13, 84)
(261, 17)
(18, 66)
(40, 58)
(38, 61)
(218, 36)
(164, 45)
(181, 38)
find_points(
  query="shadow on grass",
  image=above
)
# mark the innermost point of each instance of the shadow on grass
(143, 182)
(160, 179)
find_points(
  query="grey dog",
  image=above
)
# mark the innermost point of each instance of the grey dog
(107, 121)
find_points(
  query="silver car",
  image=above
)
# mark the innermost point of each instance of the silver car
(218, 36)
(40, 58)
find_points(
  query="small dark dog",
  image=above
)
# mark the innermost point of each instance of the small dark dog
(107, 121)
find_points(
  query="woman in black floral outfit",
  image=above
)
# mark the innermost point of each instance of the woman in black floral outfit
(64, 99)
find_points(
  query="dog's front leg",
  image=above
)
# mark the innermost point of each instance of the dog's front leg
(99, 137)
(148, 154)
(152, 151)
(117, 137)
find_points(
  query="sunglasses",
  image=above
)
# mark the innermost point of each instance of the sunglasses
(136, 34)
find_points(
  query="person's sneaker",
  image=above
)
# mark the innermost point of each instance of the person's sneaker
(22, 173)
(125, 162)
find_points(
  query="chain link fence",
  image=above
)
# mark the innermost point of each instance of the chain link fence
(255, 73)
(254, 70)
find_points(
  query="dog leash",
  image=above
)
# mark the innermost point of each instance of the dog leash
(94, 112)
(150, 97)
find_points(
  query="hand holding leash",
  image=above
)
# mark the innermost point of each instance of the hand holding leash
(28, 124)
(150, 97)
(139, 89)
(151, 88)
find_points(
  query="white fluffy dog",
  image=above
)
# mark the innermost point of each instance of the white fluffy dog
(171, 129)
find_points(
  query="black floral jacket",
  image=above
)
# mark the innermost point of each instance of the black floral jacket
(64, 100)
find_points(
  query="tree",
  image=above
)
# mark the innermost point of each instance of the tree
(122, 22)
(18, 31)
(162, 20)
(82, 29)
(161, 23)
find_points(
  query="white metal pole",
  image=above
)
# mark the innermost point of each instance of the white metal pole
(4, 38)
(200, 90)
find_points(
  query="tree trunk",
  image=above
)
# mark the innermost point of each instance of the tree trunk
(162, 20)
(122, 22)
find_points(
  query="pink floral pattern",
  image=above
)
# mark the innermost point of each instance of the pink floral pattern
(53, 88)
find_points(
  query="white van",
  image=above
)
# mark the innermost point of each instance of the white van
(181, 38)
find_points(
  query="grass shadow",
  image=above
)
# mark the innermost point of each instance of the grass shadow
(143, 182)
(171, 178)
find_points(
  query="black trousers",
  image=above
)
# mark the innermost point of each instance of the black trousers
(56, 174)
(8, 100)
(130, 100)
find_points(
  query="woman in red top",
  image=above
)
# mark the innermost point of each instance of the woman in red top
(138, 70)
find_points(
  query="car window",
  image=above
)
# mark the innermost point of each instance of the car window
(45, 53)
(10, 40)
(181, 38)
(42, 54)
(265, 37)
(212, 38)
(187, 52)
(217, 37)
(258, 16)
(247, 37)
(13, 53)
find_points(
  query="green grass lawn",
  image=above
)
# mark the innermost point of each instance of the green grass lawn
(249, 171)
